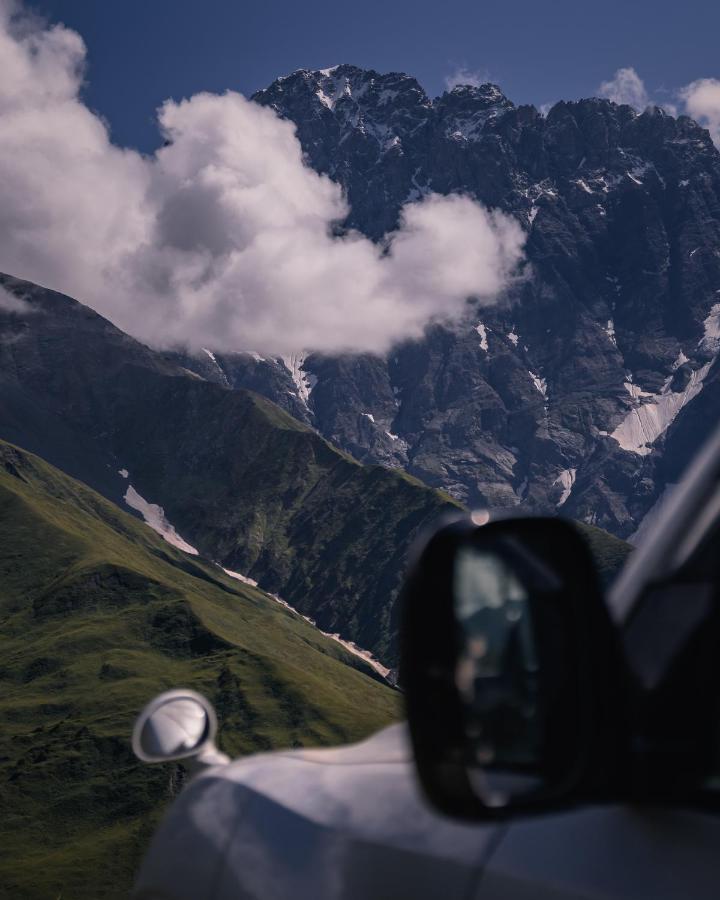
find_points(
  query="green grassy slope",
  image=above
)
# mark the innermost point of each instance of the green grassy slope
(609, 552)
(251, 486)
(97, 614)
(239, 478)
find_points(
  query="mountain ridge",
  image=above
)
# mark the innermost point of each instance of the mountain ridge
(572, 391)
(240, 479)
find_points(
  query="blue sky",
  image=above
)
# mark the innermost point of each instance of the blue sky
(142, 52)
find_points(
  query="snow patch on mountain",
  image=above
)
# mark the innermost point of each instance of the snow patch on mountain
(238, 577)
(332, 87)
(637, 172)
(154, 516)
(610, 332)
(644, 424)
(482, 331)
(566, 479)
(217, 365)
(635, 391)
(711, 338)
(540, 383)
(304, 381)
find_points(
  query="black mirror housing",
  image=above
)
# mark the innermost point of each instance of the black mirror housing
(512, 669)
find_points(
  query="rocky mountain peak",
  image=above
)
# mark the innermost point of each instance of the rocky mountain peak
(574, 392)
(363, 103)
(481, 95)
(464, 111)
(354, 83)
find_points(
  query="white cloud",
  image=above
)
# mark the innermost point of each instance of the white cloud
(702, 102)
(464, 76)
(700, 99)
(222, 238)
(626, 87)
(11, 303)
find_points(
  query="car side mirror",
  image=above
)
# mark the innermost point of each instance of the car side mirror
(178, 725)
(511, 669)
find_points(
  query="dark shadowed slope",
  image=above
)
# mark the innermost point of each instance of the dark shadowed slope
(239, 478)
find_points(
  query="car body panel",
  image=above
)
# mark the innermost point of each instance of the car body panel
(606, 853)
(344, 823)
(351, 822)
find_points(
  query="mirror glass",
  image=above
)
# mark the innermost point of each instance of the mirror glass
(176, 728)
(497, 673)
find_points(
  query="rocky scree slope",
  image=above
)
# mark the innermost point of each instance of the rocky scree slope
(584, 388)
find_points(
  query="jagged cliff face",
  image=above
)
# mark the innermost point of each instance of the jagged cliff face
(585, 387)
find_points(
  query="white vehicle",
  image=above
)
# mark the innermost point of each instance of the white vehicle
(560, 744)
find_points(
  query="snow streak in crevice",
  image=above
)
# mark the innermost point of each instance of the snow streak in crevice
(154, 516)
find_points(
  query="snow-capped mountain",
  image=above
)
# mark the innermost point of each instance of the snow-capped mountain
(585, 389)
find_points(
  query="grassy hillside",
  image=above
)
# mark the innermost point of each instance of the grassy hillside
(609, 552)
(238, 477)
(97, 614)
(251, 486)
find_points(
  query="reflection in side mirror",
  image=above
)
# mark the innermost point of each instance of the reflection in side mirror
(510, 667)
(177, 725)
(496, 673)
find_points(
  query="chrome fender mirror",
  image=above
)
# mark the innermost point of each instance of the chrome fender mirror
(179, 724)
